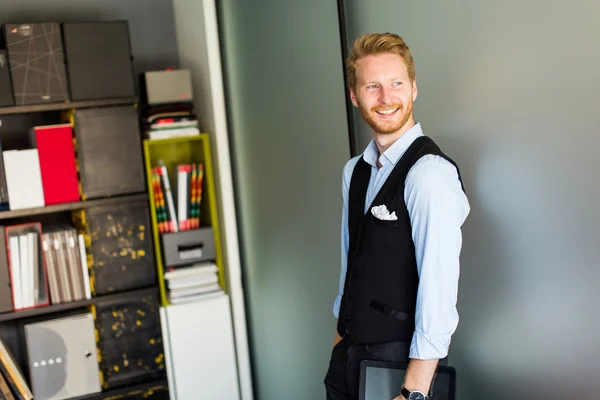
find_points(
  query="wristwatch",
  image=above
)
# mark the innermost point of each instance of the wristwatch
(413, 395)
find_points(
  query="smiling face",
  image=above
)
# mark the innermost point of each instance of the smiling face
(384, 93)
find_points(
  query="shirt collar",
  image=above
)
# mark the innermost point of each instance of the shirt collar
(395, 151)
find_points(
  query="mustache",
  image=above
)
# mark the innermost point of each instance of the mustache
(387, 107)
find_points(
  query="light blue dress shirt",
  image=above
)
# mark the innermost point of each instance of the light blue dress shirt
(437, 207)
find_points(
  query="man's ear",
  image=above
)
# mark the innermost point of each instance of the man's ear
(353, 97)
(415, 90)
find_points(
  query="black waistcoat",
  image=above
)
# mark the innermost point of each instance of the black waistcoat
(380, 291)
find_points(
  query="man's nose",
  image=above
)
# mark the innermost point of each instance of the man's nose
(385, 96)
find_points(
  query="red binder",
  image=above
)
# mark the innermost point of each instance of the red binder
(57, 163)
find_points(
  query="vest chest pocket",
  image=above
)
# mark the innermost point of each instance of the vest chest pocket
(386, 223)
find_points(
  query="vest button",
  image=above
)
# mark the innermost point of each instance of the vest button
(353, 272)
(350, 297)
(346, 317)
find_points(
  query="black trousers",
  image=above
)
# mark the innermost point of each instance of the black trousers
(342, 379)
(343, 376)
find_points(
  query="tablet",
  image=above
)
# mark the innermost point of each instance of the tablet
(382, 380)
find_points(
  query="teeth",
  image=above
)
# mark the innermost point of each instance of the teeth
(387, 112)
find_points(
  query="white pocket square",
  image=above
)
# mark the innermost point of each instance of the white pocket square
(381, 212)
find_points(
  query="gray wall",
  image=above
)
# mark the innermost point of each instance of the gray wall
(511, 90)
(150, 23)
(289, 143)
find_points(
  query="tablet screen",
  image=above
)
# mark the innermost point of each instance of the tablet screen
(381, 380)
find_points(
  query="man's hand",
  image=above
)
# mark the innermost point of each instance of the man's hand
(419, 375)
(337, 338)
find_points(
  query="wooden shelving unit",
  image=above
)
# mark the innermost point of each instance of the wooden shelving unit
(115, 393)
(180, 150)
(36, 108)
(55, 308)
(77, 205)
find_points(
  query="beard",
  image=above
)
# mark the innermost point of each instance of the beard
(384, 127)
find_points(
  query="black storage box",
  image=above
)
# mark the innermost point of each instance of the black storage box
(99, 60)
(188, 247)
(37, 63)
(109, 150)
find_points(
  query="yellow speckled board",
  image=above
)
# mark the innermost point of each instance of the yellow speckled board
(172, 152)
(153, 393)
(118, 245)
(129, 336)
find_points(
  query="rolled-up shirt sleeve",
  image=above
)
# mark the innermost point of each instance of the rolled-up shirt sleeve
(437, 207)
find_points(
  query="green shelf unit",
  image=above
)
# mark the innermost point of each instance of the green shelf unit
(175, 151)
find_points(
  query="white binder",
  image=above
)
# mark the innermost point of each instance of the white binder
(23, 179)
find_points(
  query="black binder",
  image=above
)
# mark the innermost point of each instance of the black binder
(109, 150)
(37, 64)
(99, 60)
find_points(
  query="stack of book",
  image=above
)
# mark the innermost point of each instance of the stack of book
(12, 381)
(181, 212)
(195, 282)
(66, 263)
(168, 104)
(44, 267)
(168, 121)
(26, 266)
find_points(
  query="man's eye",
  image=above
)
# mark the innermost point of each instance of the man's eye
(397, 83)
(372, 87)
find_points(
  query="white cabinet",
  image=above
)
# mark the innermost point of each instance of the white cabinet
(200, 351)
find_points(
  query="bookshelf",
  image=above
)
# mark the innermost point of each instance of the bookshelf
(13, 323)
(172, 152)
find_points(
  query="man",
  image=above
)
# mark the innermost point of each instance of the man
(403, 208)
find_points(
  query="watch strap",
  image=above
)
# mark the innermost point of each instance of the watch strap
(406, 393)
